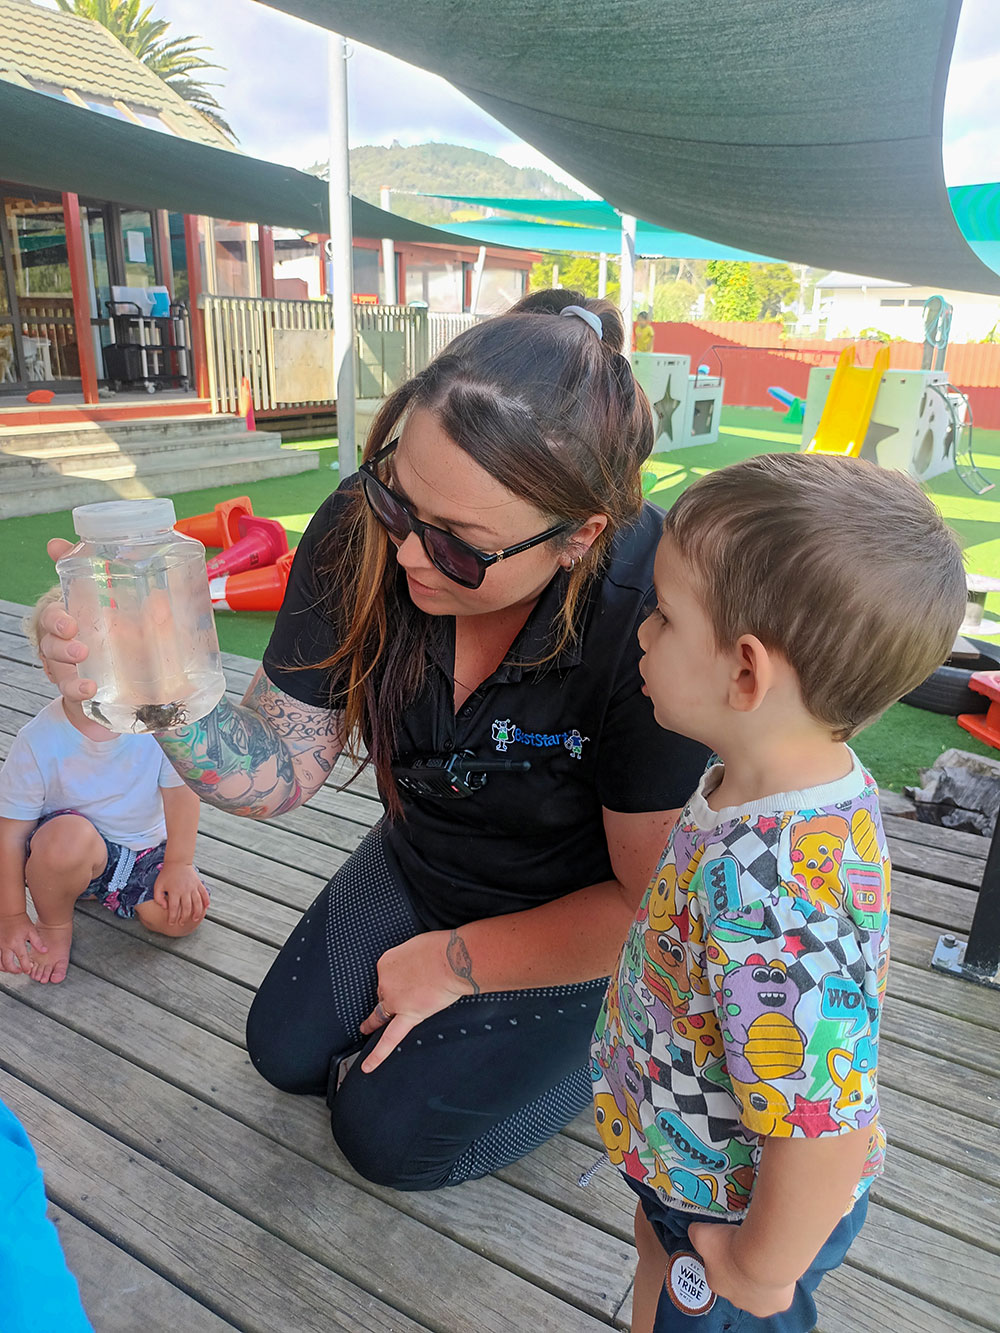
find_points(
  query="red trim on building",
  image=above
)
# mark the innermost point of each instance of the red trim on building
(81, 305)
(196, 287)
(265, 253)
(54, 415)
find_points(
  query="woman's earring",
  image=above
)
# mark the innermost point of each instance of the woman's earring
(575, 560)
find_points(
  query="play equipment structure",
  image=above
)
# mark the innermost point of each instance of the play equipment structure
(912, 420)
(250, 573)
(789, 401)
(686, 407)
(843, 424)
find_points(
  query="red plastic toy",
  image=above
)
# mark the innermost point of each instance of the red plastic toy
(261, 542)
(984, 726)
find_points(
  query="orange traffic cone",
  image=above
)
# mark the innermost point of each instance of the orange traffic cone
(246, 404)
(219, 528)
(261, 541)
(254, 589)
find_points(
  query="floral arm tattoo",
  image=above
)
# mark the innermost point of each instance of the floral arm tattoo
(259, 758)
(459, 960)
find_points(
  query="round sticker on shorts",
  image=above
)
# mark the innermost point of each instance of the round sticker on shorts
(687, 1285)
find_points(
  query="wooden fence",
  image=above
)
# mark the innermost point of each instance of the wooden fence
(392, 343)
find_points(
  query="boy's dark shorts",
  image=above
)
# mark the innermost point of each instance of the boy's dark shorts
(127, 880)
(671, 1227)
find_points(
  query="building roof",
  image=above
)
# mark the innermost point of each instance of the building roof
(854, 281)
(50, 51)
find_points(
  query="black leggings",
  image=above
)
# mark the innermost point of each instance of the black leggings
(469, 1090)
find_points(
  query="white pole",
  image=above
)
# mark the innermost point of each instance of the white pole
(602, 276)
(477, 278)
(652, 287)
(388, 251)
(342, 255)
(555, 275)
(627, 298)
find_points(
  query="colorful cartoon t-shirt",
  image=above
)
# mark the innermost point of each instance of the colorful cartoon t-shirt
(747, 998)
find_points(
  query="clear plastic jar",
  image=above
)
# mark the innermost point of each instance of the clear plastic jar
(138, 591)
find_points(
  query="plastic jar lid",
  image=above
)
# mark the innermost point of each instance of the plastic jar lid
(117, 519)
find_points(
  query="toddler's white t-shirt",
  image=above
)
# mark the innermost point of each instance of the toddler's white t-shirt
(115, 783)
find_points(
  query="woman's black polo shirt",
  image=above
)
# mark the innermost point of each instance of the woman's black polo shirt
(582, 722)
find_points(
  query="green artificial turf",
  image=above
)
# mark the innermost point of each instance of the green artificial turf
(896, 747)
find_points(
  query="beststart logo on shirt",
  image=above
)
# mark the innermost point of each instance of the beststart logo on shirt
(506, 733)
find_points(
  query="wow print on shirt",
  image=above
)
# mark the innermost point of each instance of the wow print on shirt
(746, 1000)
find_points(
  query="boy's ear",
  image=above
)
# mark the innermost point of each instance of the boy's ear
(752, 676)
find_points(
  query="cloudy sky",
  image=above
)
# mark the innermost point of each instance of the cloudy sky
(262, 49)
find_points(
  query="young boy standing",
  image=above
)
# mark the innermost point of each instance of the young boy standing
(735, 1057)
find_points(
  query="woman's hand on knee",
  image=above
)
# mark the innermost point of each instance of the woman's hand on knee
(415, 981)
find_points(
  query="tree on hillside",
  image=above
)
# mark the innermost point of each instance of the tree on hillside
(174, 60)
(436, 168)
(733, 291)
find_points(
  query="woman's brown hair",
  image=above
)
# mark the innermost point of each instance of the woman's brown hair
(550, 411)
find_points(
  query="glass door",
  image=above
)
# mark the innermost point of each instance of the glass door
(41, 347)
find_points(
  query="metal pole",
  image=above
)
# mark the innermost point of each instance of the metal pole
(978, 958)
(342, 257)
(388, 251)
(626, 300)
(477, 278)
(602, 276)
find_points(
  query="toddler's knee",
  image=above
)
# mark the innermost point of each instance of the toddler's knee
(65, 844)
(154, 917)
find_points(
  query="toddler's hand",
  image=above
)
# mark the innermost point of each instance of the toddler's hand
(718, 1244)
(179, 890)
(16, 934)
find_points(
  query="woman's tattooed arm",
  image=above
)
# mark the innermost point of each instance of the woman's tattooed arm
(259, 758)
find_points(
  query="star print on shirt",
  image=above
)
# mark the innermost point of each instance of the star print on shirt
(813, 1118)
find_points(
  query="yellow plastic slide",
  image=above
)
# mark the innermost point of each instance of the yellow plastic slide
(848, 407)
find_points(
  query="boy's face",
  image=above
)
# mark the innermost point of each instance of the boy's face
(683, 671)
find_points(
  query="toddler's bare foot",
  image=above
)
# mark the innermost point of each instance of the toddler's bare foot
(52, 966)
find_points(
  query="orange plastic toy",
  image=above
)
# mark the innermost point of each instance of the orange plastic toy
(262, 541)
(221, 526)
(984, 726)
(261, 589)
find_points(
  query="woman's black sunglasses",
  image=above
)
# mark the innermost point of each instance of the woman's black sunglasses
(449, 555)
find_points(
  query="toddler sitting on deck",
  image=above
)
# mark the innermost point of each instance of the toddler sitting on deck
(734, 1061)
(88, 813)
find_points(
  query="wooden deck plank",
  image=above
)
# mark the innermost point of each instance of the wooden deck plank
(928, 1258)
(852, 1301)
(933, 835)
(114, 1286)
(310, 1209)
(255, 1280)
(522, 1234)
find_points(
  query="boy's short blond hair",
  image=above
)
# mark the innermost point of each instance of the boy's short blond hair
(30, 621)
(845, 568)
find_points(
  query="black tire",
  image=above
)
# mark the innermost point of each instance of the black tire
(947, 689)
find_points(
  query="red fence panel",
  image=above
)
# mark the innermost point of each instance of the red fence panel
(754, 356)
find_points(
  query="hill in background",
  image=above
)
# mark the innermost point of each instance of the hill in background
(435, 168)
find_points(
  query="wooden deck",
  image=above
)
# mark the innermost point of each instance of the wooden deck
(192, 1196)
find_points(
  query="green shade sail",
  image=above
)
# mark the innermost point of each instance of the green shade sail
(53, 145)
(803, 130)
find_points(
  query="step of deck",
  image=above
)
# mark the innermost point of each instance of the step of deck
(48, 468)
(168, 473)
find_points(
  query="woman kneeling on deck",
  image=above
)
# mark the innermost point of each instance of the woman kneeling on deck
(466, 609)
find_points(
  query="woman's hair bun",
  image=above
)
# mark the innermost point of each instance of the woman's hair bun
(553, 300)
